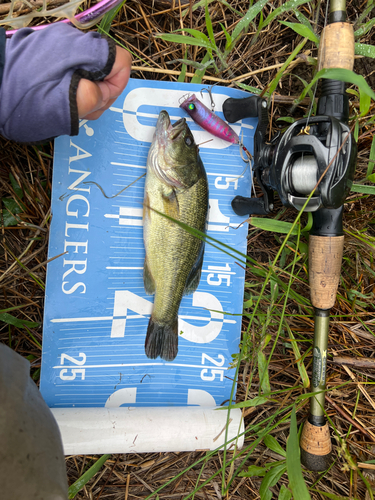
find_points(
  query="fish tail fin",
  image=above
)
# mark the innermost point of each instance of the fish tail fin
(162, 340)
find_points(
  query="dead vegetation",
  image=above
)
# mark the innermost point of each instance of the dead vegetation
(351, 397)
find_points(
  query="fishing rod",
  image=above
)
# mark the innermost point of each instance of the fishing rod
(82, 20)
(315, 155)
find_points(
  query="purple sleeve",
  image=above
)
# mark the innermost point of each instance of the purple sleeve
(41, 74)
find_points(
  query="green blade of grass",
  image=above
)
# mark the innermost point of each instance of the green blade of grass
(291, 5)
(188, 40)
(90, 473)
(344, 75)
(12, 208)
(31, 274)
(270, 479)
(302, 30)
(281, 71)
(293, 463)
(252, 471)
(272, 225)
(14, 308)
(371, 163)
(15, 186)
(209, 27)
(273, 445)
(362, 49)
(303, 20)
(364, 28)
(252, 12)
(105, 23)
(258, 400)
(195, 65)
(199, 35)
(182, 75)
(284, 493)
(299, 359)
(38, 344)
(19, 323)
(330, 495)
(199, 74)
(249, 88)
(263, 373)
(359, 188)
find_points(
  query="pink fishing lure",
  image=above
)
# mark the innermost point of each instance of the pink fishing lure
(208, 120)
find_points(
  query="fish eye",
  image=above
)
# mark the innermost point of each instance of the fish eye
(191, 106)
(188, 141)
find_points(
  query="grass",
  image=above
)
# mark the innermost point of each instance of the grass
(271, 47)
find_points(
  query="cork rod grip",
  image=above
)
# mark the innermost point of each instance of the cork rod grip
(336, 49)
(316, 447)
(325, 258)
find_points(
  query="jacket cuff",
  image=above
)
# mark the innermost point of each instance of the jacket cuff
(92, 76)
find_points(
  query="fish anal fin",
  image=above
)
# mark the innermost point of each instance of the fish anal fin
(194, 277)
(148, 280)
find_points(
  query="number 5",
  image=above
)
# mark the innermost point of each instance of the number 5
(73, 375)
(210, 378)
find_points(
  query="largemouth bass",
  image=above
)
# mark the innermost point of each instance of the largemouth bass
(176, 185)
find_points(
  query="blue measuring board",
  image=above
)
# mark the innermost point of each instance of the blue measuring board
(96, 308)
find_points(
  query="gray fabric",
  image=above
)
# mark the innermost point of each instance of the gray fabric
(40, 78)
(32, 465)
(2, 52)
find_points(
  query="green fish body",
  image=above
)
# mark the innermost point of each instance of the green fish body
(176, 185)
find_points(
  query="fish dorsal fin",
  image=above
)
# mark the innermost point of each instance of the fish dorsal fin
(148, 280)
(195, 274)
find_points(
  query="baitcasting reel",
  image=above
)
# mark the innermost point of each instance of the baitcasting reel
(293, 163)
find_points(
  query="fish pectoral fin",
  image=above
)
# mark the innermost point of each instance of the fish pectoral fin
(146, 205)
(148, 280)
(170, 203)
(194, 277)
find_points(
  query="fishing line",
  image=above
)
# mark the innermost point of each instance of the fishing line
(114, 196)
(306, 129)
(316, 83)
(205, 142)
(242, 173)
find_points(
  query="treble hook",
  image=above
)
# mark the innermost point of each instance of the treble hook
(249, 156)
(184, 97)
(243, 149)
(211, 98)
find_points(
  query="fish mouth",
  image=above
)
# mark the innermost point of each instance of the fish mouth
(176, 129)
(165, 130)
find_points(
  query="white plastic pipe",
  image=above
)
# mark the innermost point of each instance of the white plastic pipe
(145, 430)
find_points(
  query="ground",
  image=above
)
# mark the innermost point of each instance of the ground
(254, 61)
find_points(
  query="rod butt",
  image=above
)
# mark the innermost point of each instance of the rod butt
(316, 447)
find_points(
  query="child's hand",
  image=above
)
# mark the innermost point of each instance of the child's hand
(93, 98)
(55, 76)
